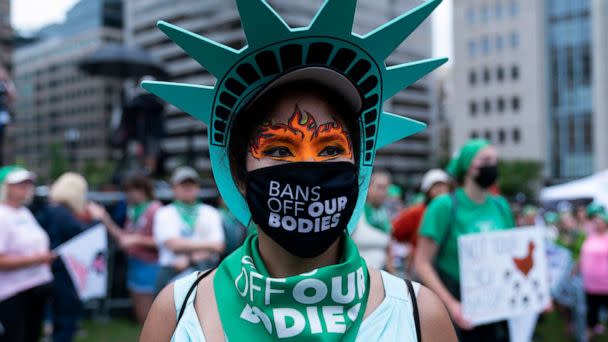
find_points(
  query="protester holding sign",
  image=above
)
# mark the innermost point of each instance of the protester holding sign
(470, 209)
(594, 268)
(25, 274)
(292, 147)
(137, 241)
(188, 233)
(68, 197)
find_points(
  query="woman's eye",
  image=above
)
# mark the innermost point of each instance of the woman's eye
(331, 151)
(278, 152)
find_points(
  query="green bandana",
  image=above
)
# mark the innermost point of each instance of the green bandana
(134, 212)
(326, 304)
(188, 214)
(460, 163)
(378, 218)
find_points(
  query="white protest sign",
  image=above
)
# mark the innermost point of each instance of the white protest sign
(503, 274)
(85, 258)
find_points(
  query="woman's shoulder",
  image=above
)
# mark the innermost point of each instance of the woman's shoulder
(164, 211)
(182, 288)
(162, 318)
(440, 203)
(209, 209)
(434, 320)
(57, 209)
(176, 295)
(59, 213)
(501, 200)
(153, 208)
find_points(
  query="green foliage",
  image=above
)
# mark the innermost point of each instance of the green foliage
(115, 330)
(58, 162)
(98, 173)
(519, 176)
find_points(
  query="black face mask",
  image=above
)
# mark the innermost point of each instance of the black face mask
(487, 176)
(304, 206)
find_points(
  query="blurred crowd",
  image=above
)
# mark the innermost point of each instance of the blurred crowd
(417, 239)
(414, 237)
(161, 242)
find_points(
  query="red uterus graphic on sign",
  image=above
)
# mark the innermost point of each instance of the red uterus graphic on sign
(525, 265)
(79, 270)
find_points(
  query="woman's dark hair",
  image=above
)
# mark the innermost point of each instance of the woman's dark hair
(141, 183)
(247, 122)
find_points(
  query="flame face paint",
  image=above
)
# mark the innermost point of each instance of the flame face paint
(301, 139)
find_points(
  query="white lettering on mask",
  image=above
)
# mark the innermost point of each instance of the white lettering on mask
(298, 208)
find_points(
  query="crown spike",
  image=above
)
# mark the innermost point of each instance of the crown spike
(213, 56)
(335, 18)
(193, 99)
(262, 25)
(385, 39)
(394, 127)
(402, 76)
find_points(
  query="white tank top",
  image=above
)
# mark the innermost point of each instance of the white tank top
(392, 321)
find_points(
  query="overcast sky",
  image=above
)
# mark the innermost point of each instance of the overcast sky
(29, 15)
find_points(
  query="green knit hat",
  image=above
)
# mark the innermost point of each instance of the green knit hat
(461, 162)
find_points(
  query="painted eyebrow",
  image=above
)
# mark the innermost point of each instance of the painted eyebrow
(279, 139)
(332, 138)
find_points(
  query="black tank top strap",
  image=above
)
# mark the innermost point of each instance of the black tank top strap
(192, 288)
(410, 289)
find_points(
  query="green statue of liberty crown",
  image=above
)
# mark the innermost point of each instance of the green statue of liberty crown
(274, 49)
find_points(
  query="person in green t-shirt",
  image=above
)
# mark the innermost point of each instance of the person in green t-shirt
(471, 208)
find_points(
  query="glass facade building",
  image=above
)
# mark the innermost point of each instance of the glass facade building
(569, 64)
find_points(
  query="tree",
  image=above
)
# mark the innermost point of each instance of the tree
(519, 176)
(98, 173)
(58, 161)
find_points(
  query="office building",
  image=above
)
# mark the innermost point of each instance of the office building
(6, 33)
(60, 109)
(569, 74)
(599, 13)
(498, 90)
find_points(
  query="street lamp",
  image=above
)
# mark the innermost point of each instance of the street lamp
(72, 137)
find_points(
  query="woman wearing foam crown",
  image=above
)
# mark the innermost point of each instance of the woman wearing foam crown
(294, 122)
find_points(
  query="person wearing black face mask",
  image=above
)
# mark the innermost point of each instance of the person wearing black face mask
(300, 181)
(295, 120)
(472, 208)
